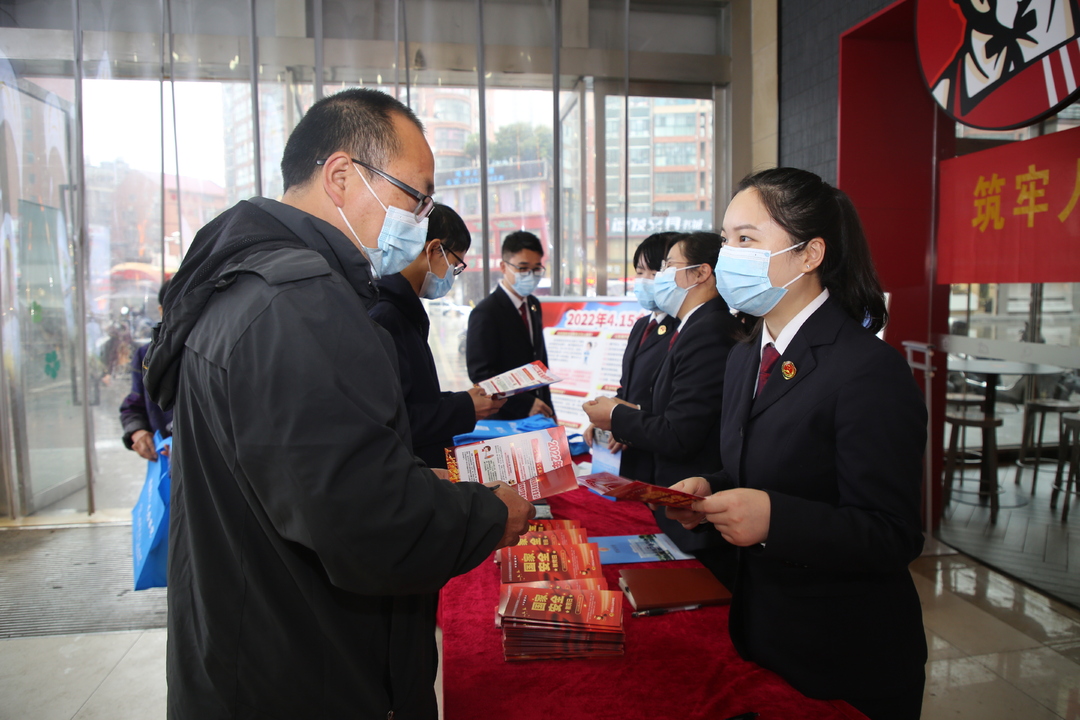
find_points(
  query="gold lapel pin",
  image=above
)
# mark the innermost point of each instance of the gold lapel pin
(662, 330)
(788, 370)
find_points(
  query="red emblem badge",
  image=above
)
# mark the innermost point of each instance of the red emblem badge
(787, 369)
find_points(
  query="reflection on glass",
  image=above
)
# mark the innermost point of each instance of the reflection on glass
(670, 174)
(42, 360)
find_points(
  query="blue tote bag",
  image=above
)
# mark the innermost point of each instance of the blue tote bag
(150, 522)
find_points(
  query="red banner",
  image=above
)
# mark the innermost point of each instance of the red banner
(1011, 214)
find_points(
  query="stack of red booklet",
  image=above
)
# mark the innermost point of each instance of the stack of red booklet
(554, 601)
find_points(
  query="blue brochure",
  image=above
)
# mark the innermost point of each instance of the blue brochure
(618, 549)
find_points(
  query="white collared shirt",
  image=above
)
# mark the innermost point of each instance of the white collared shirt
(682, 322)
(788, 333)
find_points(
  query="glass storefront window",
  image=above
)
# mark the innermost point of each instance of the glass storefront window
(173, 138)
(1042, 313)
(673, 192)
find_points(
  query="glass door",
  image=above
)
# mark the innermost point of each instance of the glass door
(41, 324)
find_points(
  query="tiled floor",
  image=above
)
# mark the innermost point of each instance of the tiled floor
(1029, 540)
(998, 651)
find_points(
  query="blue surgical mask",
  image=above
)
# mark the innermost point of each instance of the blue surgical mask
(742, 277)
(525, 283)
(668, 295)
(435, 287)
(401, 239)
(643, 290)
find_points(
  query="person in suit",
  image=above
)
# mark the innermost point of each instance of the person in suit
(506, 328)
(822, 435)
(645, 351)
(435, 416)
(681, 429)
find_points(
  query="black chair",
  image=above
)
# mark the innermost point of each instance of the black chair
(961, 402)
(1069, 446)
(989, 460)
(1040, 408)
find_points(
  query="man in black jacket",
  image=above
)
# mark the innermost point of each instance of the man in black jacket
(307, 543)
(435, 416)
(506, 328)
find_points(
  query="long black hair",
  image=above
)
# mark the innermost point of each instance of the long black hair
(807, 207)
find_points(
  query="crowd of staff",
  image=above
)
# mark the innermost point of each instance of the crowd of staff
(309, 535)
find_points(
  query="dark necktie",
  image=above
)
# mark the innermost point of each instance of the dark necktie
(648, 331)
(769, 356)
(525, 314)
(674, 336)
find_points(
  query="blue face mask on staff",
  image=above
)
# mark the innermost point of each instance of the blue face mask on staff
(742, 278)
(401, 239)
(525, 283)
(667, 293)
(435, 287)
(644, 292)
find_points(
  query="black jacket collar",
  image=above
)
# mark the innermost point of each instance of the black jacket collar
(396, 290)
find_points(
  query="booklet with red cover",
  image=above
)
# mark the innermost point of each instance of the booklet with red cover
(578, 584)
(521, 379)
(525, 563)
(546, 538)
(622, 488)
(539, 524)
(582, 610)
(550, 623)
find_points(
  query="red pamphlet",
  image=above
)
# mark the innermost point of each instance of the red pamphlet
(622, 488)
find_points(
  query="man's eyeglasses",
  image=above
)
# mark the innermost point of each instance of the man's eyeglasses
(460, 265)
(424, 204)
(675, 263)
(537, 271)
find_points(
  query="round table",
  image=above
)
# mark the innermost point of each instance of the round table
(993, 370)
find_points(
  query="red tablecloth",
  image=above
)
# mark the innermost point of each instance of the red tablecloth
(679, 666)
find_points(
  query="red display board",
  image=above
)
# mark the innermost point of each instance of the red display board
(1011, 214)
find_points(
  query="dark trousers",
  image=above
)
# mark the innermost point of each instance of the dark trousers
(904, 706)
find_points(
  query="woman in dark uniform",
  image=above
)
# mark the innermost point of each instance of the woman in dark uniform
(822, 437)
(682, 427)
(645, 351)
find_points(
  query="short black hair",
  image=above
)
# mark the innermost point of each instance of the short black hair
(653, 249)
(520, 240)
(446, 225)
(359, 121)
(161, 292)
(700, 248)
